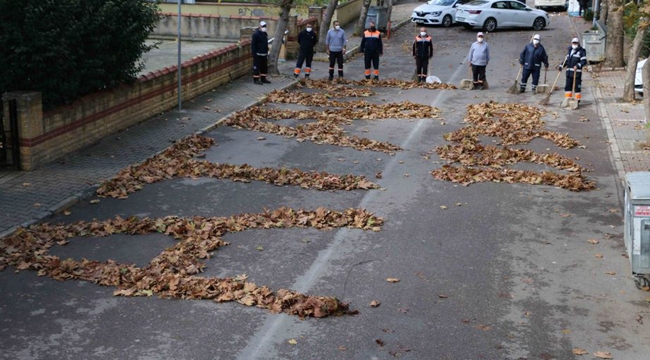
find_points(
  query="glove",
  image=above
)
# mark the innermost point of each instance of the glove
(559, 68)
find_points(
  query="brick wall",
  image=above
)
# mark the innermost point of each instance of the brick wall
(47, 136)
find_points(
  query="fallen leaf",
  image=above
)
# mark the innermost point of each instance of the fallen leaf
(598, 256)
(259, 248)
(342, 348)
(603, 355)
(593, 241)
(443, 207)
(380, 342)
(392, 280)
(292, 341)
(443, 296)
(611, 273)
(261, 138)
(27, 184)
(566, 331)
(374, 303)
(579, 351)
(94, 201)
(67, 212)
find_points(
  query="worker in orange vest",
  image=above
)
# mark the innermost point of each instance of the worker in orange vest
(422, 52)
(372, 49)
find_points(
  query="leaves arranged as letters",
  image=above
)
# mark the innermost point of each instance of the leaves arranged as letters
(175, 272)
(513, 124)
(178, 161)
(392, 83)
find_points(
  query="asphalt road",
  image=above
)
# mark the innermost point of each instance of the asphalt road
(509, 274)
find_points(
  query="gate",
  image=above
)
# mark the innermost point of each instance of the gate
(9, 151)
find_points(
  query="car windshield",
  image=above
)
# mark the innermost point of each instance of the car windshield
(441, 2)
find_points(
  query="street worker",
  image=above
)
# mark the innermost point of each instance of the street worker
(422, 52)
(260, 51)
(307, 39)
(576, 59)
(531, 59)
(372, 49)
(336, 43)
(479, 57)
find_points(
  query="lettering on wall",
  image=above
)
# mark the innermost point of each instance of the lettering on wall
(251, 12)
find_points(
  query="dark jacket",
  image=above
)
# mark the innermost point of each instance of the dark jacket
(371, 43)
(260, 43)
(422, 47)
(532, 57)
(307, 41)
(577, 57)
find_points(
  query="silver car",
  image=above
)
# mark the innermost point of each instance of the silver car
(493, 14)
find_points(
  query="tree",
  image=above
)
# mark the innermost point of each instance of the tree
(361, 23)
(389, 9)
(628, 88)
(646, 90)
(285, 9)
(325, 24)
(69, 48)
(614, 53)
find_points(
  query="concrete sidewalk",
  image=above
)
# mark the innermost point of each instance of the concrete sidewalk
(625, 122)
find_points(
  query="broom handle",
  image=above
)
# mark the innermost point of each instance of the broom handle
(573, 89)
(557, 77)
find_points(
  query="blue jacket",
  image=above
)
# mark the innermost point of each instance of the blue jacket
(479, 54)
(260, 43)
(532, 57)
(371, 43)
(577, 57)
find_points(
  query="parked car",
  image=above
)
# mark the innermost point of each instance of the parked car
(436, 12)
(490, 14)
(638, 77)
(543, 4)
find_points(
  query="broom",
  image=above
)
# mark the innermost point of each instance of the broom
(548, 96)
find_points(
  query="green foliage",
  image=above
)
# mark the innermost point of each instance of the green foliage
(69, 48)
(589, 15)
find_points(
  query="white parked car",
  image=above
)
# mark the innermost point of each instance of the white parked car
(542, 4)
(638, 77)
(436, 12)
(493, 14)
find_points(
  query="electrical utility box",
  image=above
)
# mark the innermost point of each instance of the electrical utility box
(637, 225)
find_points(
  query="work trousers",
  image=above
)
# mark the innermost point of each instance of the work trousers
(371, 59)
(568, 87)
(421, 66)
(478, 73)
(303, 56)
(260, 66)
(526, 73)
(336, 57)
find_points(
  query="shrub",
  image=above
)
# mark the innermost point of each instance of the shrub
(69, 48)
(589, 15)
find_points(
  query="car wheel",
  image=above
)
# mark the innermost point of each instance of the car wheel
(490, 24)
(446, 21)
(468, 26)
(539, 24)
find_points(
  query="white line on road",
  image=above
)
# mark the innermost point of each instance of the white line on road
(259, 344)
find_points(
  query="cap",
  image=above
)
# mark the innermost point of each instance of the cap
(262, 23)
(575, 40)
(536, 37)
(480, 34)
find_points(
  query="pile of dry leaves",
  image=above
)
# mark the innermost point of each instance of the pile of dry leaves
(174, 273)
(179, 161)
(513, 124)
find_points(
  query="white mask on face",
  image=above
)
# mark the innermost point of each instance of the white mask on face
(535, 41)
(574, 46)
(308, 29)
(337, 27)
(479, 39)
(263, 29)
(423, 33)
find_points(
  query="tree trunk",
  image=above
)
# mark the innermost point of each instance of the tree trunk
(285, 7)
(389, 10)
(326, 24)
(614, 53)
(628, 88)
(361, 24)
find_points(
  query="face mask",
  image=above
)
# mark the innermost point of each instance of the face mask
(308, 29)
(372, 28)
(479, 39)
(535, 41)
(574, 46)
(337, 27)
(423, 34)
(263, 29)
